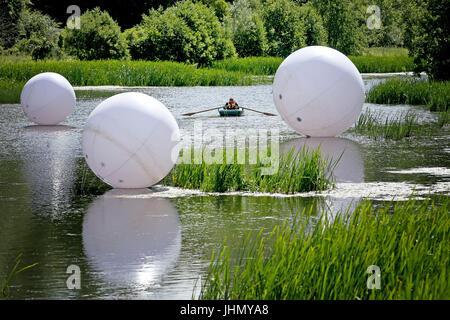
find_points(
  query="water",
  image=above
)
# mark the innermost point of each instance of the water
(156, 243)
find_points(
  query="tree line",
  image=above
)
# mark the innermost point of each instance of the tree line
(201, 31)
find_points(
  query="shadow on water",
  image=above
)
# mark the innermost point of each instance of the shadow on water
(131, 238)
(55, 128)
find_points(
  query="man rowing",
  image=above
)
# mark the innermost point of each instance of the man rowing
(231, 104)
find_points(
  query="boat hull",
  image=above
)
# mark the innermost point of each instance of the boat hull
(231, 112)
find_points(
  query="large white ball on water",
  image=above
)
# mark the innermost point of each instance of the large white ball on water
(48, 98)
(131, 140)
(318, 91)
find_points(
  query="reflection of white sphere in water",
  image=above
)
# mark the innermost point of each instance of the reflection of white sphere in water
(350, 167)
(132, 237)
(131, 140)
(48, 98)
(318, 91)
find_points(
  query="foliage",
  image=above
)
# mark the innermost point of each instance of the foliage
(186, 32)
(249, 35)
(342, 20)
(434, 94)
(304, 171)
(10, 13)
(99, 37)
(125, 73)
(328, 259)
(5, 286)
(374, 64)
(392, 28)
(39, 35)
(284, 27)
(428, 29)
(315, 33)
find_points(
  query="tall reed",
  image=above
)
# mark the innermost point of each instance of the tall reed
(433, 94)
(329, 258)
(304, 171)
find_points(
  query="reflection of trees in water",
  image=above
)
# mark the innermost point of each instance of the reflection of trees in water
(131, 238)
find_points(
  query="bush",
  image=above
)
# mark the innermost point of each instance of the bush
(98, 38)
(315, 33)
(187, 32)
(38, 34)
(249, 35)
(10, 13)
(285, 29)
(343, 25)
(428, 30)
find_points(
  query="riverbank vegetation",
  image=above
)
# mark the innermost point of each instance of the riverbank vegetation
(435, 95)
(397, 127)
(330, 258)
(201, 32)
(293, 172)
(304, 171)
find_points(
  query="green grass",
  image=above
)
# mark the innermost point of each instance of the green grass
(433, 94)
(269, 65)
(396, 127)
(16, 269)
(385, 51)
(304, 171)
(250, 65)
(328, 259)
(126, 73)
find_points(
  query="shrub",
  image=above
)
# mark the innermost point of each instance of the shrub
(315, 33)
(98, 38)
(342, 22)
(38, 34)
(428, 28)
(285, 29)
(249, 35)
(187, 32)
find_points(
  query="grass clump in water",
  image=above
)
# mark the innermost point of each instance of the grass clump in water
(433, 94)
(329, 259)
(397, 127)
(304, 171)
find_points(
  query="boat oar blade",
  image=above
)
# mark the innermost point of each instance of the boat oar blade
(192, 113)
(264, 113)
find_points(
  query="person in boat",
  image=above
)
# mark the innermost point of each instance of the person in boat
(231, 104)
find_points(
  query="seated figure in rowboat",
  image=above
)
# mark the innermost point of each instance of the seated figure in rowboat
(231, 104)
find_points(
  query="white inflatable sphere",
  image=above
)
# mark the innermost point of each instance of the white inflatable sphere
(48, 98)
(131, 140)
(318, 91)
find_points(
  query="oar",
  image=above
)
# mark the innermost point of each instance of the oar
(265, 113)
(192, 113)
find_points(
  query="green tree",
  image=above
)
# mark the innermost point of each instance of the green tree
(315, 33)
(38, 34)
(186, 32)
(10, 12)
(249, 35)
(343, 21)
(284, 28)
(427, 36)
(99, 37)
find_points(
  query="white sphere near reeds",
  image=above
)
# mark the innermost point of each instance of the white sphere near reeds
(48, 98)
(318, 91)
(131, 140)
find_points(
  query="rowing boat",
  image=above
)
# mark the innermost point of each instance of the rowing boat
(231, 112)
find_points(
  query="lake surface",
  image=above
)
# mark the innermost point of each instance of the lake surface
(156, 243)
